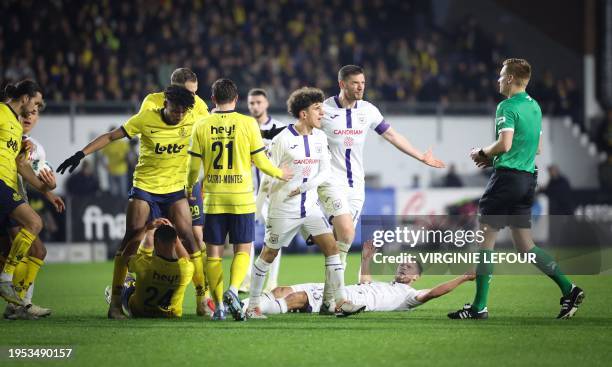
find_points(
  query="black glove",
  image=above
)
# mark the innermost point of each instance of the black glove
(270, 134)
(71, 162)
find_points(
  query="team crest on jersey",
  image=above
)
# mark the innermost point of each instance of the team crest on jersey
(318, 148)
(306, 171)
(182, 132)
(348, 141)
(273, 238)
(16, 197)
(337, 204)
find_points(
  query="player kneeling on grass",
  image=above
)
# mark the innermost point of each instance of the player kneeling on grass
(163, 271)
(293, 204)
(398, 295)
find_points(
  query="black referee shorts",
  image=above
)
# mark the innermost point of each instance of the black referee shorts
(508, 199)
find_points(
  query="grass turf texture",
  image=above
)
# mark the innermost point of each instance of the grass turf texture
(521, 329)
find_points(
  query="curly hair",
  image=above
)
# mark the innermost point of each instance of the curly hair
(303, 98)
(179, 96)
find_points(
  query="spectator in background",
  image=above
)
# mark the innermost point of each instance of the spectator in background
(116, 156)
(452, 179)
(83, 182)
(559, 193)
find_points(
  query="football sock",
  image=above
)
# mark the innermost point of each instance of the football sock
(144, 251)
(34, 265)
(484, 273)
(29, 294)
(246, 283)
(204, 260)
(19, 249)
(274, 269)
(334, 278)
(549, 266)
(19, 276)
(198, 275)
(344, 249)
(240, 266)
(119, 273)
(214, 274)
(258, 276)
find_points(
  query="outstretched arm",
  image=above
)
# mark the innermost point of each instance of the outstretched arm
(401, 143)
(445, 288)
(367, 252)
(95, 145)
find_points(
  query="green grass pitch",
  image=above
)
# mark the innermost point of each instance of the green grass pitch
(521, 329)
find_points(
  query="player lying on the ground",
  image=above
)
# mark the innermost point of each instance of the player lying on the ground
(398, 295)
(163, 271)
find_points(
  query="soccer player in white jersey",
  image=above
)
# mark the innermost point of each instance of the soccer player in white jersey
(398, 295)
(348, 118)
(257, 102)
(293, 204)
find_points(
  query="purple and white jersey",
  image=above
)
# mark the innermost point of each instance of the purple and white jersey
(380, 296)
(37, 153)
(257, 175)
(308, 158)
(346, 130)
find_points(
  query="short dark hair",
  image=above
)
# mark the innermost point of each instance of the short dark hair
(348, 70)
(224, 90)
(258, 92)
(164, 235)
(182, 75)
(519, 68)
(25, 87)
(303, 98)
(179, 96)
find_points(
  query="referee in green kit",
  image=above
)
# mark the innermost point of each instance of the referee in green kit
(510, 192)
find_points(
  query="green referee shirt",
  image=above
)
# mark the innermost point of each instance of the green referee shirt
(523, 115)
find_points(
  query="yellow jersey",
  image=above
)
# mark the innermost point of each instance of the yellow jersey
(160, 285)
(163, 157)
(226, 142)
(155, 101)
(116, 156)
(11, 133)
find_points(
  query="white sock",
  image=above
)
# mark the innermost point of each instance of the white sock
(272, 306)
(274, 269)
(344, 249)
(334, 279)
(233, 289)
(28, 297)
(258, 276)
(6, 277)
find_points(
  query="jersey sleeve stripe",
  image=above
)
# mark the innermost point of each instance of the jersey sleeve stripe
(505, 129)
(125, 132)
(258, 150)
(382, 127)
(194, 154)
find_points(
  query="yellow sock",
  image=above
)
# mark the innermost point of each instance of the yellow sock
(240, 266)
(198, 275)
(119, 273)
(20, 274)
(204, 261)
(34, 265)
(19, 249)
(214, 274)
(144, 251)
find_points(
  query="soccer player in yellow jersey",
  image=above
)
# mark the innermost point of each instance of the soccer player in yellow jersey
(160, 175)
(184, 77)
(23, 98)
(161, 276)
(225, 143)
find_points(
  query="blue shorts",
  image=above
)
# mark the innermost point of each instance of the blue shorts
(159, 203)
(9, 201)
(196, 206)
(241, 228)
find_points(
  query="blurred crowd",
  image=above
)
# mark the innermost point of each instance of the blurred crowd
(122, 50)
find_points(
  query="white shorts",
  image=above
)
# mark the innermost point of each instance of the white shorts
(338, 200)
(280, 231)
(314, 292)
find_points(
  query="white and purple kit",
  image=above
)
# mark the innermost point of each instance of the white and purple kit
(308, 158)
(346, 130)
